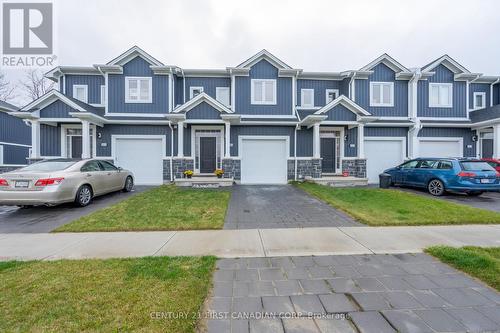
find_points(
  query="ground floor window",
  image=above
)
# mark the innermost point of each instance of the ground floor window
(73, 142)
(208, 144)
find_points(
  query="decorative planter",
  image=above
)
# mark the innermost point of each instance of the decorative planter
(219, 176)
(189, 176)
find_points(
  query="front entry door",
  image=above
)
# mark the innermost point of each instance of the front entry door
(76, 147)
(328, 146)
(208, 154)
(487, 148)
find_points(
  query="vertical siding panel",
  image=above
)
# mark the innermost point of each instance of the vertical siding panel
(479, 87)
(319, 87)
(443, 132)
(305, 142)
(352, 139)
(14, 130)
(50, 140)
(93, 82)
(57, 109)
(209, 84)
(15, 154)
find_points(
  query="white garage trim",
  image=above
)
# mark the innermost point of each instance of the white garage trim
(447, 139)
(390, 138)
(143, 136)
(264, 137)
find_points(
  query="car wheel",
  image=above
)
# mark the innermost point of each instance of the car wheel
(129, 184)
(436, 187)
(83, 196)
(474, 193)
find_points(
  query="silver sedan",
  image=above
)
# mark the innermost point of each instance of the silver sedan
(55, 181)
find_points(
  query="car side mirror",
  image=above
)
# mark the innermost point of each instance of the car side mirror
(120, 169)
(398, 167)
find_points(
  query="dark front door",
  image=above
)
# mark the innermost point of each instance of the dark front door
(487, 148)
(76, 147)
(208, 155)
(328, 155)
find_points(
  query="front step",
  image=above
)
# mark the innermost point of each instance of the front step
(341, 181)
(200, 181)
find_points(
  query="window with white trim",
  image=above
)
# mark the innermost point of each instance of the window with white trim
(479, 100)
(440, 95)
(222, 95)
(138, 90)
(80, 92)
(103, 94)
(381, 93)
(195, 91)
(307, 98)
(331, 94)
(263, 91)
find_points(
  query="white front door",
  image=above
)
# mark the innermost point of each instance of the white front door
(382, 154)
(446, 147)
(142, 156)
(263, 161)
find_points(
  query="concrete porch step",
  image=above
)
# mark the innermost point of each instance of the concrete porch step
(339, 181)
(204, 182)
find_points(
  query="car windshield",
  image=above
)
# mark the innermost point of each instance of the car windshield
(476, 166)
(49, 166)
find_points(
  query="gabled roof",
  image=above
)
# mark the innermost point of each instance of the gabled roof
(344, 101)
(388, 61)
(130, 54)
(264, 54)
(7, 107)
(447, 61)
(200, 98)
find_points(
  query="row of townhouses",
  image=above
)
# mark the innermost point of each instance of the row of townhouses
(263, 121)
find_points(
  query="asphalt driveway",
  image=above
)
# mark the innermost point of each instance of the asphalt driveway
(45, 219)
(490, 201)
(284, 206)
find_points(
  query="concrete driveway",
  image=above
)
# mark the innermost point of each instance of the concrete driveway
(490, 201)
(284, 206)
(45, 219)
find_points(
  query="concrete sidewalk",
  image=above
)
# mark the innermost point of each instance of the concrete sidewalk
(244, 243)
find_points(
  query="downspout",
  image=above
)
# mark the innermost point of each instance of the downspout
(171, 151)
(183, 87)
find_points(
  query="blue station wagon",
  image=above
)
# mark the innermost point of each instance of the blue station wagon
(439, 175)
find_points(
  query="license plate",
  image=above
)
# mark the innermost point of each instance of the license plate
(485, 181)
(22, 183)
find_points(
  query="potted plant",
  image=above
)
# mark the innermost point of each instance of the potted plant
(219, 173)
(188, 173)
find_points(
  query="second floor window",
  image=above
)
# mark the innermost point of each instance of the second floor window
(331, 94)
(80, 92)
(381, 94)
(263, 91)
(222, 95)
(195, 91)
(440, 95)
(138, 90)
(479, 100)
(307, 98)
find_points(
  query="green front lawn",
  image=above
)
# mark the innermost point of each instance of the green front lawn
(378, 207)
(480, 262)
(112, 295)
(161, 208)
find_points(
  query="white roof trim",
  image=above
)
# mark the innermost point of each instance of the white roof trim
(449, 62)
(350, 105)
(53, 95)
(203, 97)
(264, 54)
(388, 61)
(133, 52)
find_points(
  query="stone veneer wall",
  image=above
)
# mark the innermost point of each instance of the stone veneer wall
(355, 167)
(232, 168)
(166, 170)
(180, 165)
(310, 168)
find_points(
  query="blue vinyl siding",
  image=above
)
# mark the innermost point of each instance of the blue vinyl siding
(485, 114)
(479, 87)
(57, 109)
(319, 86)
(264, 70)
(178, 88)
(208, 83)
(15, 154)
(388, 132)
(203, 111)
(116, 90)
(344, 87)
(304, 142)
(14, 130)
(443, 132)
(340, 113)
(108, 130)
(496, 94)
(443, 75)
(382, 73)
(236, 131)
(50, 140)
(352, 139)
(93, 82)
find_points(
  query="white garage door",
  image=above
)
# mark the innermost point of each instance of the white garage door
(381, 155)
(263, 161)
(441, 148)
(144, 157)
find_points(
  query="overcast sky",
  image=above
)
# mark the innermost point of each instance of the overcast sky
(314, 35)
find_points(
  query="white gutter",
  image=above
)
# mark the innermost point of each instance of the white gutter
(171, 151)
